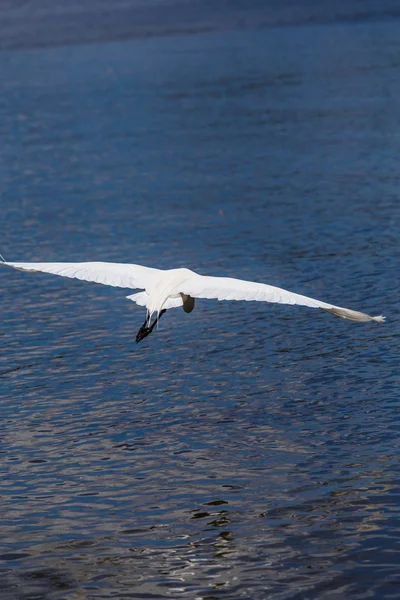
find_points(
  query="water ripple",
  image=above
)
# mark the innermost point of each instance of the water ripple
(241, 451)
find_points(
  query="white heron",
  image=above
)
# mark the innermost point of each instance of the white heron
(171, 288)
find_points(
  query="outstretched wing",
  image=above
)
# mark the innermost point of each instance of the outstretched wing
(226, 288)
(114, 274)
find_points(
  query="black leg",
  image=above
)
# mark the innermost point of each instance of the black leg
(145, 330)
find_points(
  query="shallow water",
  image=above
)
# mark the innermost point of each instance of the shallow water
(241, 451)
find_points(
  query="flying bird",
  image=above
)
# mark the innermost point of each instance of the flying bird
(171, 288)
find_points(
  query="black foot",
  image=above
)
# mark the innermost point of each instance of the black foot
(145, 330)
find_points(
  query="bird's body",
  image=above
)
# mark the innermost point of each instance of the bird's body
(165, 289)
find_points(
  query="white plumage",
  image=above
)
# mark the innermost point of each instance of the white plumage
(164, 289)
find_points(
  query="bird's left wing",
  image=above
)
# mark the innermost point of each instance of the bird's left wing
(114, 274)
(227, 288)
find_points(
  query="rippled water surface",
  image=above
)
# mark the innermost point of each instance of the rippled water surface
(244, 450)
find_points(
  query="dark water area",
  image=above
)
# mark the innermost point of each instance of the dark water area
(38, 23)
(244, 450)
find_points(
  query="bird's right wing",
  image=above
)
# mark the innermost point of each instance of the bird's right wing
(113, 274)
(227, 288)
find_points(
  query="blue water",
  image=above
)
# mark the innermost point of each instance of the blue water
(244, 450)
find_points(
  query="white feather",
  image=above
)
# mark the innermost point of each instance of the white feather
(164, 288)
(226, 288)
(113, 274)
(142, 299)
